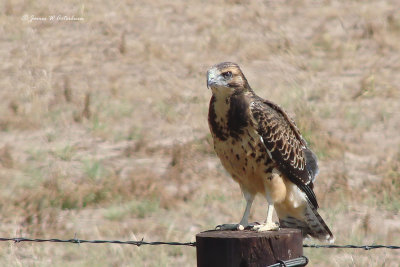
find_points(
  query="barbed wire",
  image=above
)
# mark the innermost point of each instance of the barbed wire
(366, 247)
(190, 244)
(81, 241)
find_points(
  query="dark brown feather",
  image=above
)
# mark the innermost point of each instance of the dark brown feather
(215, 127)
(285, 144)
(238, 116)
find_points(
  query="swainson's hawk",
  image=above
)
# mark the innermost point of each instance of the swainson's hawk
(263, 150)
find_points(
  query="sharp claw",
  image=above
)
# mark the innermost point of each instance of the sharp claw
(266, 227)
(230, 227)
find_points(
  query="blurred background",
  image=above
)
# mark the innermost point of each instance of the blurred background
(103, 122)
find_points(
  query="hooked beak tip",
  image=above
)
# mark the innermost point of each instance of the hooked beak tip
(211, 79)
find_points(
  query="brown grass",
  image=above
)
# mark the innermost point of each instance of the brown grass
(104, 132)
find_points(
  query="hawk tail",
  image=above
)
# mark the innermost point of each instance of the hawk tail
(312, 225)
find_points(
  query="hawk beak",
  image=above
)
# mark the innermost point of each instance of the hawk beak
(210, 78)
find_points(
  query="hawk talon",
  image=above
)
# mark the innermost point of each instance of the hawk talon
(251, 226)
(270, 226)
(230, 227)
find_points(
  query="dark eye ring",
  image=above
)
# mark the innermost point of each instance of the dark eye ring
(227, 75)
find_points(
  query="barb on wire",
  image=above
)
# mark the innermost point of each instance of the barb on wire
(366, 247)
(81, 241)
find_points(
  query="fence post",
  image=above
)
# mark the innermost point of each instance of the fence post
(247, 248)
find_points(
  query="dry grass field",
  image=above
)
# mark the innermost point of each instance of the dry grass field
(103, 122)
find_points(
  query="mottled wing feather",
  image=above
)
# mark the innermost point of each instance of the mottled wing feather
(285, 145)
(289, 120)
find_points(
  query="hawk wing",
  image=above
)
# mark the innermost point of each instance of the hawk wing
(286, 146)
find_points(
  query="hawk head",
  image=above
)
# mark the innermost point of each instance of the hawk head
(226, 78)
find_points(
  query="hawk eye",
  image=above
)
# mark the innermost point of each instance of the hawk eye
(227, 74)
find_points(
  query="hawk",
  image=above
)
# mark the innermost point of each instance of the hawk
(262, 149)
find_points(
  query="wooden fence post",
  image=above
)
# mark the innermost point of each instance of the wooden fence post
(247, 248)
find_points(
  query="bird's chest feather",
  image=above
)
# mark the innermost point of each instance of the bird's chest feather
(237, 143)
(243, 155)
(227, 117)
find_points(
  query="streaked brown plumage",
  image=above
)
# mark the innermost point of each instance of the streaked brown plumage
(263, 150)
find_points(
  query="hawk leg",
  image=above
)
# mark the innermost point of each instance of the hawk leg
(268, 225)
(244, 222)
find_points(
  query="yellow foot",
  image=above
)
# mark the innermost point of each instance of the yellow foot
(266, 227)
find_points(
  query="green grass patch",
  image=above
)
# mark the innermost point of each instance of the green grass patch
(134, 208)
(94, 169)
(65, 153)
